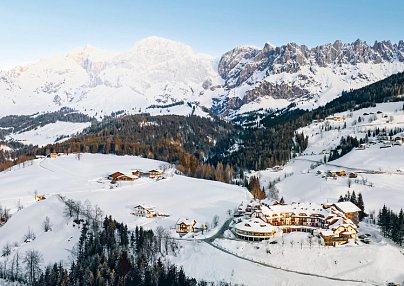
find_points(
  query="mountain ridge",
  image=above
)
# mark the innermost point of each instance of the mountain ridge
(160, 72)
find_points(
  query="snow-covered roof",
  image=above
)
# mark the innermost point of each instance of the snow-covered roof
(128, 175)
(298, 209)
(147, 207)
(155, 171)
(255, 225)
(347, 207)
(326, 232)
(186, 221)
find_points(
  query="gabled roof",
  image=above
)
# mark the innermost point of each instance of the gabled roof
(347, 207)
(146, 207)
(186, 221)
(155, 171)
(116, 174)
(127, 175)
(255, 225)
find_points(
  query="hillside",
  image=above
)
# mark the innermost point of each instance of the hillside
(275, 139)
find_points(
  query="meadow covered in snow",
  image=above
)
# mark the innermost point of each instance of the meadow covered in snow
(84, 178)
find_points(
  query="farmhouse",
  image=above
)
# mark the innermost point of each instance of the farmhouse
(335, 118)
(144, 211)
(40, 197)
(353, 175)
(115, 175)
(119, 176)
(185, 225)
(136, 173)
(341, 173)
(154, 174)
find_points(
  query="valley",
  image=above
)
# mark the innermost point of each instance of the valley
(228, 169)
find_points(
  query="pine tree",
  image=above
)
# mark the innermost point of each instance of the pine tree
(361, 205)
(353, 198)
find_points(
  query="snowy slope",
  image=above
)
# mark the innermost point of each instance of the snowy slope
(55, 245)
(380, 170)
(84, 179)
(49, 133)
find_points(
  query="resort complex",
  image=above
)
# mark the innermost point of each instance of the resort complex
(334, 223)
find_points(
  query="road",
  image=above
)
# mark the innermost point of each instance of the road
(349, 168)
(225, 226)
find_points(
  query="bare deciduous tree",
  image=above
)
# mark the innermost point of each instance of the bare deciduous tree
(47, 226)
(33, 260)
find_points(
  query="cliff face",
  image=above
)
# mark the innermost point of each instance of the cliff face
(294, 71)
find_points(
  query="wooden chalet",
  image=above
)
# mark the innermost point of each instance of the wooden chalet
(144, 211)
(154, 174)
(341, 173)
(350, 210)
(136, 173)
(185, 225)
(40, 197)
(119, 176)
(115, 175)
(353, 175)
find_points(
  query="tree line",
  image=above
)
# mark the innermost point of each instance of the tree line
(276, 141)
(392, 224)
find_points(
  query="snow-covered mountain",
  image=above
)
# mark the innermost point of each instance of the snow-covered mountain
(157, 74)
(155, 71)
(273, 77)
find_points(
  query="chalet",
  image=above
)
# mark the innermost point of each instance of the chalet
(144, 211)
(40, 197)
(361, 147)
(341, 173)
(353, 175)
(136, 173)
(350, 210)
(119, 176)
(52, 155)
(185, 225)
(399, 138)
(340, 231)
(154, 174)
(331, 174)
(115, 175)
(127, 178)
(335, 118)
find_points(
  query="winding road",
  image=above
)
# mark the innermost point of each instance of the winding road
(225, 226)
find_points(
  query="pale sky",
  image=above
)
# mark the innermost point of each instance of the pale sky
(32, 29)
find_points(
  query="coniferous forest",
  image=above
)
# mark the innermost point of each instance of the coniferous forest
(107, 254)
(392, 224)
